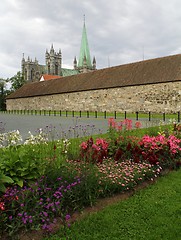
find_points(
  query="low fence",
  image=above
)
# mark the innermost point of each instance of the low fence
(116, 115)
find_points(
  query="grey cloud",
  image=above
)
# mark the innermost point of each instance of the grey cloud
(118, 31)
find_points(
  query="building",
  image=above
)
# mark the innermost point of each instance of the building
(151, 85)
(32, 70)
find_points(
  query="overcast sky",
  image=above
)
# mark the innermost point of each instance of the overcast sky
(119, 31)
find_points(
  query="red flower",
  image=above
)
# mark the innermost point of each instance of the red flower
(118, 155)
(128, 148)
(2, 207)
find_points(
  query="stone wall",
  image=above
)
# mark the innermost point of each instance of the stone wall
(164, 97)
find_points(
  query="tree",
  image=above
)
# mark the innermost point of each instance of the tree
(16, 81)
(3, 94)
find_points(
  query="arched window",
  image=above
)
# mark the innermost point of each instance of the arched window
(25, 77)
(56, 69)
(32, 74)
(48, 68)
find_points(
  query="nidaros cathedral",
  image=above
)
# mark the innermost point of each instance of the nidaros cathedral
(32, 70)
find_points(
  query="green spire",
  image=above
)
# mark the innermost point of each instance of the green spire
(84, 50)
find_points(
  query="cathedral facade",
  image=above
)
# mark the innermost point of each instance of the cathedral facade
(32, 70)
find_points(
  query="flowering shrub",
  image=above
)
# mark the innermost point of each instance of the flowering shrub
(12, 138)
(126, 124)
(32, 159)
(125, 175)
(94, 152)
(160, 149)
(120, 141)
(112, 177)
(163, 148)
(41, 137)
(120, 163)
(126, 147)
(36, 206)
(66, 144)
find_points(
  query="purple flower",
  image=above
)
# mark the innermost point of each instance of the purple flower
(45, 214)
(24, 220)
(57, 203)
(44, 226)
(67, 217)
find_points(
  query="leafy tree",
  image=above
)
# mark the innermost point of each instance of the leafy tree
(16, 81)
(3, 93)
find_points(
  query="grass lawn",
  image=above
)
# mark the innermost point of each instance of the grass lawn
(153, 213)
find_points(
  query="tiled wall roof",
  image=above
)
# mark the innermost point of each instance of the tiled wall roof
(159, 70)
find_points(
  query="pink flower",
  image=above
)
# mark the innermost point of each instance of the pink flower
(137, 124)
(112, 123)
(102, 143)
(83, 145)
(128, 124)
(120, 127)
(94, 146)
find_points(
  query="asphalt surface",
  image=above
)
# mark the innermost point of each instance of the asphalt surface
(59, 126)
(56, 126)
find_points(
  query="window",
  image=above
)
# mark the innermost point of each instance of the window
(56, 69)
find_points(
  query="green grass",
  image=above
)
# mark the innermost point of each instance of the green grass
(151, 214)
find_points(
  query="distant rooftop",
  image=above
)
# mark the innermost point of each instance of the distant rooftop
(69, 72)
(153, 71)
(46, 77)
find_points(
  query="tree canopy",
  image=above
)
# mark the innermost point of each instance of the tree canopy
(16, 81)
(3, 93)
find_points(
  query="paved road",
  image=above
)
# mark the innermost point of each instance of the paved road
(59, 127)
(56, 126)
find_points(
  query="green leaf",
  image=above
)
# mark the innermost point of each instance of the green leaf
(5, 179)
(2, 188)
(20, 182)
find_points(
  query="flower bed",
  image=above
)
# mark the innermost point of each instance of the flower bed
(43, 183)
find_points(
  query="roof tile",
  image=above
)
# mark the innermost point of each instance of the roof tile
(159, 70)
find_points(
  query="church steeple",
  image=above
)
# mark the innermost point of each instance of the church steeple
(84, 50)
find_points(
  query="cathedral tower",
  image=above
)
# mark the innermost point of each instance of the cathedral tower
(84, 63)
(53, 62)
(30, 69)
